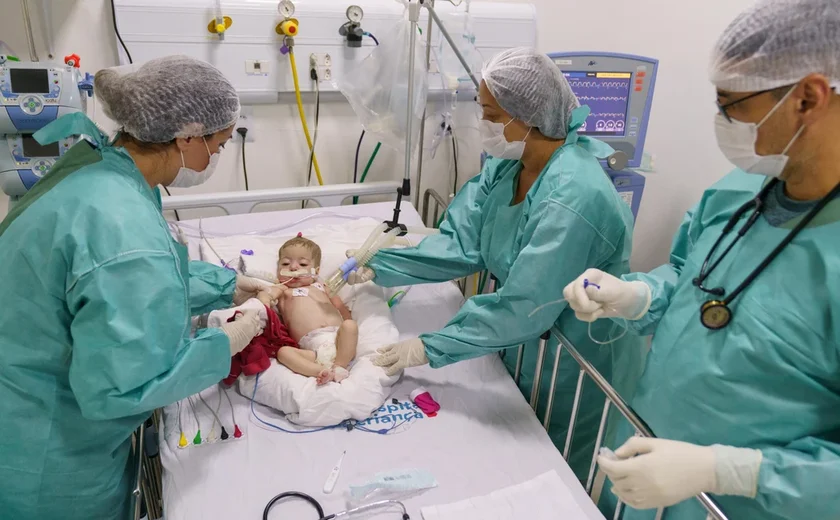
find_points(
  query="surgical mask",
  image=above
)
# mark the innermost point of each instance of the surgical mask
(494, 143)
(737, 140)
(187, 177)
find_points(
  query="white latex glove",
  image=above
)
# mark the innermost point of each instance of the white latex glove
(399, 356)
(654, 473)
(240, 332)
(362, 274)
(247, 288)
(606, 297)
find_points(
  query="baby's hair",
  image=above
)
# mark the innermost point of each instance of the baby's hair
(311, 246)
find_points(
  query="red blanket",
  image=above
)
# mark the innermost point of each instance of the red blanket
(257, 356)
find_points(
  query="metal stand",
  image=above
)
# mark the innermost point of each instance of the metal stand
(414, 18)
(27, 22)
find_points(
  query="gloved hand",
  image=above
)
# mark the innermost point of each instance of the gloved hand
(606, 296)
(362, 274)
(657, 473)
(241, 331)
(399, 356)
(247, 288)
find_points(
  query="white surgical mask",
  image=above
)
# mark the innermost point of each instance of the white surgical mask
(737, 140)
(494, 143)
(187, 177)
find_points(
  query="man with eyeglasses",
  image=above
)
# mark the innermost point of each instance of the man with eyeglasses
(742, 385)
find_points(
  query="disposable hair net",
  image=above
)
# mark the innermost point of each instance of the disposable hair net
(531, 88)
(165, 98)
(777, 43)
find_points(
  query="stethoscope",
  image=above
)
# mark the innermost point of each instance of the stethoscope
(716, 314)
(320, 510)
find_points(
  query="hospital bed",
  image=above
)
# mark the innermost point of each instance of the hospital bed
(487, 436)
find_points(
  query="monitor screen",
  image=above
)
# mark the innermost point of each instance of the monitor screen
(33, 149)
(30, 81)
(607, 95)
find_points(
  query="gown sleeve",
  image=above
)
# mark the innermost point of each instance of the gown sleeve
(211, 287)
(555, 236)
(663, 280)
(453, 253)
(793, 479)
(131, 345)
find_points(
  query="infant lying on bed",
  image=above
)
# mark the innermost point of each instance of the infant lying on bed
(321, 325)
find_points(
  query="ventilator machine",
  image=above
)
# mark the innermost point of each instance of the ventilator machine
(618, 88)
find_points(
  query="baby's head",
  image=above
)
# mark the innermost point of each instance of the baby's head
(299, 254)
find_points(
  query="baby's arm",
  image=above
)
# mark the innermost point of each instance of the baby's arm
(342, 309)
(270, 295)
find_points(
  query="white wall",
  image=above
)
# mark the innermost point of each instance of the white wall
(680, 135)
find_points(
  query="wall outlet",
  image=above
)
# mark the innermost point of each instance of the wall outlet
(246, 120)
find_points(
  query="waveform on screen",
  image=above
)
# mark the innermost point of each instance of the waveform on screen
(599, 84)
(601, 98)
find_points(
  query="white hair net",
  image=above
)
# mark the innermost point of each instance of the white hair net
(165, 98)
(777, 43)
(531, 88)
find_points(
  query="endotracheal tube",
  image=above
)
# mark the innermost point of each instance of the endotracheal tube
(376, 241)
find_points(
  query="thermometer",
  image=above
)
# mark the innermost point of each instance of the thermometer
(329, 485)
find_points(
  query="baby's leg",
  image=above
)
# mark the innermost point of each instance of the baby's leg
(299, 361)
(346, 342)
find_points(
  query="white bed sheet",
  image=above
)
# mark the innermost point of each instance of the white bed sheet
(485, 437)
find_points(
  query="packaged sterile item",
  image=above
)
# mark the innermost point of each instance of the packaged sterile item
(393, 485)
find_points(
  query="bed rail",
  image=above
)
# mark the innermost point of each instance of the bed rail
(240, 202)
(612, 399)
(147, 493)
(440, 203)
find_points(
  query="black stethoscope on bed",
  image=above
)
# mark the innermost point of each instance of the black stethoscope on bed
(716, 314)
(320, 510)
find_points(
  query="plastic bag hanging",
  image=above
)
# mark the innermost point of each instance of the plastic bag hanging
(377, 88)
(459, 25)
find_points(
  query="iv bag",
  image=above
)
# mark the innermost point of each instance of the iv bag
(377, 88)
(459, 25)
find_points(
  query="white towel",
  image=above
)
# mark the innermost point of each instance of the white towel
(543, 498)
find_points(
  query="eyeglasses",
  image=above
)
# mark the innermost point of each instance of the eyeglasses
(722, 108)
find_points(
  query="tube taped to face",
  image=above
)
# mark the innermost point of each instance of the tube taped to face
(300, 273)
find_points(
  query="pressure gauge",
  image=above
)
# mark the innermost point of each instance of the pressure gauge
(286, 8)
(355, 14)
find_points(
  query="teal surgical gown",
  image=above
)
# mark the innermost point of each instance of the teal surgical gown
(94, 330)
(770, 380)
(571, 219)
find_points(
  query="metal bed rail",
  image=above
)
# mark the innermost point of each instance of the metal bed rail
(242, 202)
(440, 203)
(612, 399)
(147, 493)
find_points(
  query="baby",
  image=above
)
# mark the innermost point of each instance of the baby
(321, 325)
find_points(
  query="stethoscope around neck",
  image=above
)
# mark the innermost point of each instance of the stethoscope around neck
(716, 313)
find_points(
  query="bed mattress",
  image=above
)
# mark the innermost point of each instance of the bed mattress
(484, 438)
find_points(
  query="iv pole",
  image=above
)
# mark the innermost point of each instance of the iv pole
(414, 18)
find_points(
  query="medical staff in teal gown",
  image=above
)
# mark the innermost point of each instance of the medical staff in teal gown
(749, 412)
(95, 326)
(570, 218)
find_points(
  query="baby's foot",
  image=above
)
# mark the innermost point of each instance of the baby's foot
(340, 373)
(325, 377)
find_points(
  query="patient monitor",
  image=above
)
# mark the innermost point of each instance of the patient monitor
(618, 88)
